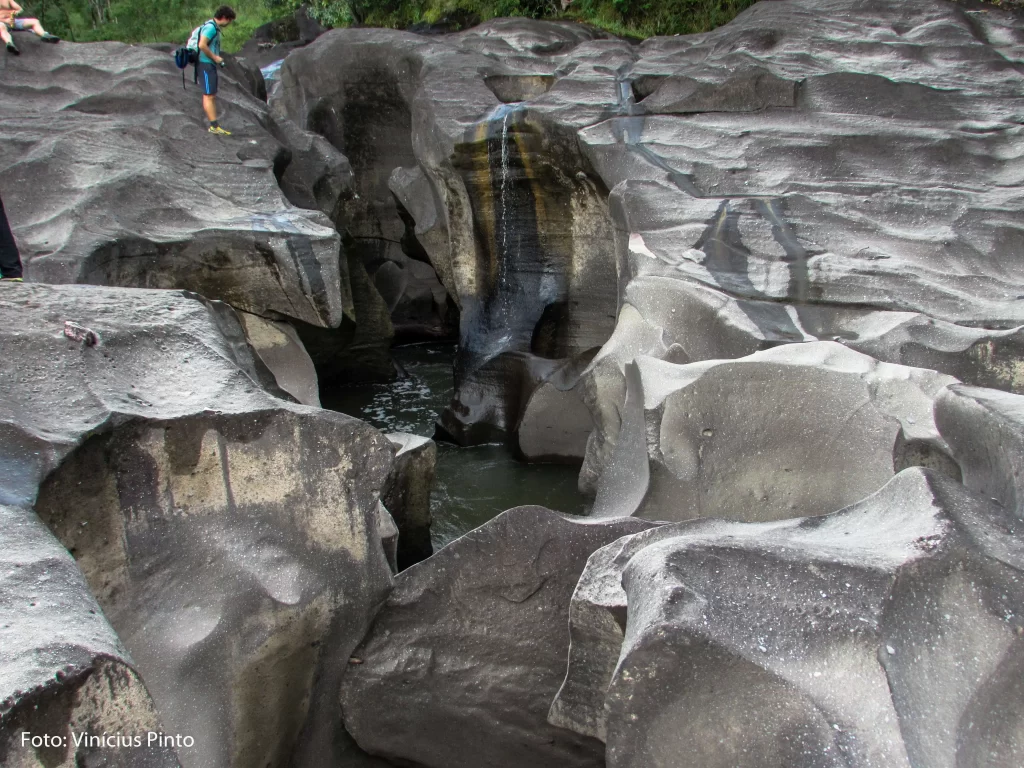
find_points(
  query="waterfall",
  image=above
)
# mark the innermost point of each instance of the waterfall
(506, 241)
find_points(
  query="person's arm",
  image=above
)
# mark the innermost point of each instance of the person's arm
(204, 46)
(15, 7)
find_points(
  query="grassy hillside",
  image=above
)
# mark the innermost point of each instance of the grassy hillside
(163, 20)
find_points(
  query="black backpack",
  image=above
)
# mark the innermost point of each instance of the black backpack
(189, 52)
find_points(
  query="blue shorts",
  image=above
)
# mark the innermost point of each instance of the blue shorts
(18, 24)
(207, 77)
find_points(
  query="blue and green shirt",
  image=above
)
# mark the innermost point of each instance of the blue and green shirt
(211, 32)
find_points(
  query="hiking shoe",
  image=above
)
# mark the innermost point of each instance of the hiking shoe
(48, 38)
(219, 131)
(11, 280)
(12, 48)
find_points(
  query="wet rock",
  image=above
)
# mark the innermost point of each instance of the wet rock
(884, 634)
(737, 228)
(231, 537)
(359, 350)
(802, 429)
(726, 199)
(101, 133)
(489, 403)
(361, 104)
(64, 675)
(472, 644)
(517, 233)
(985, 432)
(407, 495)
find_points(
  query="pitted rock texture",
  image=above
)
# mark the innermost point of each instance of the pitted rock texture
(471, 646)
(231, 537)
(112, 179)
(888, 633)
(64, 674)
(843, 169)
(797, 430)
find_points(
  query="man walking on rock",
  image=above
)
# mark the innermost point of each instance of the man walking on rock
(210, 60)
(10, 259)
(8, 11)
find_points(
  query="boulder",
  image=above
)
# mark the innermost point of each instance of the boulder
(500, 202)
(888, 633)
(554, 176)
(358, 99)
(555, 424)
(797, 430)
(472, 644)
(749, 213)
(104, 134)
(407, 495)
(490, 404)
(985, 432)
(279, 348)
(66, 681)
(231, 537)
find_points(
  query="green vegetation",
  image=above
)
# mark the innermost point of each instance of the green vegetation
(145, 21)
(150, 21)
(640, 18)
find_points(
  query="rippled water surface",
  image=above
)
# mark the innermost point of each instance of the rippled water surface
(473, 484)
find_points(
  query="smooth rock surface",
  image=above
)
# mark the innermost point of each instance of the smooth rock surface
(888, 633)
(471, 646)
(797, 430)
(519, 236)
(231, 537)
(985, 432)
(406, 495)
(64, 674)
(814, 170)
(279, 348)
(112, 179)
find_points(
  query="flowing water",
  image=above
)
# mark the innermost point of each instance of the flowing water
(473, 484)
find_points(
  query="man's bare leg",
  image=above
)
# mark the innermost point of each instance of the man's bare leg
(36, 26)
(210, 108)
(5, 35)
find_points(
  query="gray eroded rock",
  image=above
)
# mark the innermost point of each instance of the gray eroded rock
(471, 646)
(407, 495)
(985, 432)
(104, 134)
(500, 202)
(797, 430)
(356, 93)
(279, 348)
(231, 537)
(888, 633)
(877, 203)
(64, 675)
(359, 350)
(529, 401)
(866, 207)
(555, 423)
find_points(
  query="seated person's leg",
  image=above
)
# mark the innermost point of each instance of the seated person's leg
(5, 35)
(34, 25)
